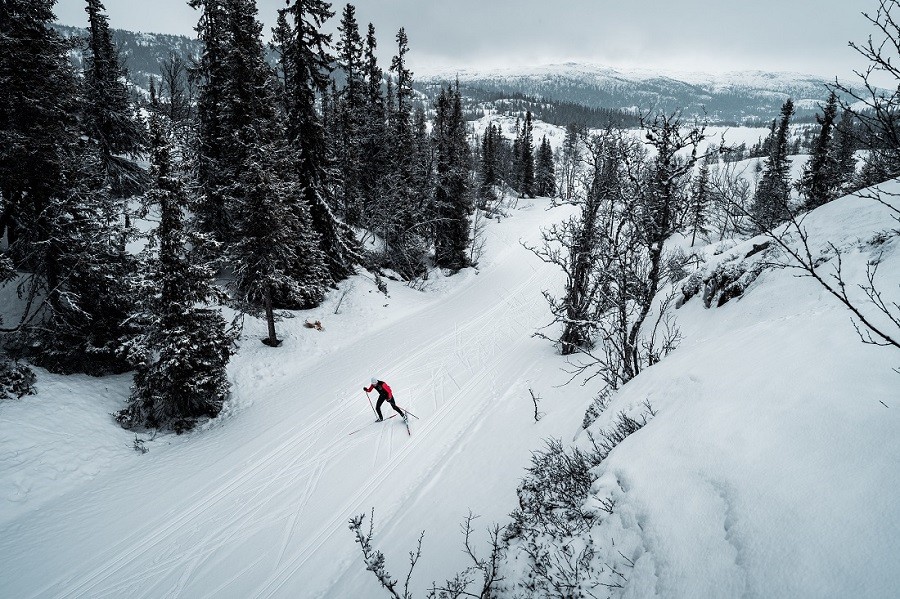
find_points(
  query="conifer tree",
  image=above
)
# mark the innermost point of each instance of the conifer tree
(275, 254)
(352, 116)
(526, 149)
(843, 150)
(820, 176)
(545, 175)
(306, 58)
(212, 136)
(770, 205)
(109, 117)
(373, 153)
(489, 165)
(698, 203)
(452, 196)
(60, 224)
(181, 354)
(403, 214)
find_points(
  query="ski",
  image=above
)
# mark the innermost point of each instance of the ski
(370, 424)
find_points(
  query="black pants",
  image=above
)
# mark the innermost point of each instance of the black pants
(381, 400)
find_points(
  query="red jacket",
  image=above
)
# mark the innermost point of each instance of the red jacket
(382, 388)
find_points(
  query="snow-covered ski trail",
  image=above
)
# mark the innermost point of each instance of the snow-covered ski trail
(258, 507)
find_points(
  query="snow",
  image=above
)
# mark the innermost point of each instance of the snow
(717, 82)
(770, 469)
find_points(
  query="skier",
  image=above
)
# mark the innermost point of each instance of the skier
(384, 395)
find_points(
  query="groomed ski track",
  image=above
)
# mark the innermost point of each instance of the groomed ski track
(257, 507)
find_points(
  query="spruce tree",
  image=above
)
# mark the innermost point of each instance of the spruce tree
(698, 203)
(109, 118)
(374, 150)
(352, 111)
(275, 254)
(843, 152)
(526, 149)
(488, 167)
(545, 174)
(405, 210)
(61, 225)
(771, 203)
(181, 355)
(452, 196)
(211, 169)
(306, 57)
(819, 180)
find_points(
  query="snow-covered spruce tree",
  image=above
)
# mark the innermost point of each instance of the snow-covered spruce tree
(275, 254)
(698, 203)
(489, 166)
(819, 183)
(526, 159)
(452, 195)
(545, 171)
(212, 136)
(305, 58)
(109, 117)
(61, 225)
(351, 117)
(403, 214)
(771, 203)
(374, 150)
(181, 354)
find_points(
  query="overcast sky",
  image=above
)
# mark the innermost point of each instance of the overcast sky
(808, 36)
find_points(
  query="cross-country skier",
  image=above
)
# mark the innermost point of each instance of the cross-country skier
(384, 395)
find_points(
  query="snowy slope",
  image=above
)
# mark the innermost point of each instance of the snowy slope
(257, 505)
(770, 469)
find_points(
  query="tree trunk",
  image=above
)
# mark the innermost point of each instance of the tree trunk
(272, 340)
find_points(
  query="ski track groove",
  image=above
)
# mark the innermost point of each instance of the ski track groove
(124, 551)
(499, 325)
(268, 463)
(202, 552)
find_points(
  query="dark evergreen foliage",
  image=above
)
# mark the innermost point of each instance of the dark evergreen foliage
(108, 116)
(698, 203)
(820, 180)
(545, 171)
(181, 354)
(60, 223)
(771, 203)
(525, 158)
(306, 63)
(452, 197)
(212, 135)
(351, 117)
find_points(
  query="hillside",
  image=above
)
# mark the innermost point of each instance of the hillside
(739, 97)
(573, 92)
(769, 468)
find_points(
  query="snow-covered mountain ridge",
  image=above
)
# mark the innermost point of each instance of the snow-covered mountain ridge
(736, 96)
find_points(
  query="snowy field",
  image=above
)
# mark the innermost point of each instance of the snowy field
(770, 469)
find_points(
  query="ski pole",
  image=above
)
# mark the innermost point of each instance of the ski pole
(370, 403)
(408, 412)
